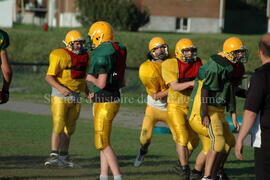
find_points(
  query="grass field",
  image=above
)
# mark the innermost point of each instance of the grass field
(25, 142)
(31, 44)
(25, 138)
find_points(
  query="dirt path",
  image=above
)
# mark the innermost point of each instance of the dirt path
(130, 117)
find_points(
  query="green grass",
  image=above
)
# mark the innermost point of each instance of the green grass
(32, 44)
(25, 144)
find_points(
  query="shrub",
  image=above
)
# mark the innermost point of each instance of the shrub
(121, 14)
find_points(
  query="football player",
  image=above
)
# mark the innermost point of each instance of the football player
(157, 90)
(213, 92)
(106, 73)
(5, 67)
(66, 74)
(179, 73)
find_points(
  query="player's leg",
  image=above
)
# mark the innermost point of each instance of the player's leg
(146, 134)
(217, 137)
(70, 126)
(104, 114)
(178, 124)
(58, 109)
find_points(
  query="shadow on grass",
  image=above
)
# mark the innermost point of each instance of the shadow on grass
(153, 165)
(49, 177)
(240, 171)
(37, 162)
(238, 161)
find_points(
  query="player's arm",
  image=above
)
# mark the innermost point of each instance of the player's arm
(181, 86)
(170, 75)
(57, 65)
(235, 121)
(232, 109)
(6, 70)
(204, 109)
(100, 81)
(54, 83)
(160, 94)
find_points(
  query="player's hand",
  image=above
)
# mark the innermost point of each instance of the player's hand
(154, 96)
(65, 91)
(4, 97)
(191, 83)
(90, 96)
(236, 125)
(206, 121)
(238, 149)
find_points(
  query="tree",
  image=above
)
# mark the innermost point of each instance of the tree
(121, 14)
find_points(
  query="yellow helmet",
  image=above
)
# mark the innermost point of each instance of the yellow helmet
(183, 45)
(157, 42)
(100, 32)
(71, 37)
(231, 46)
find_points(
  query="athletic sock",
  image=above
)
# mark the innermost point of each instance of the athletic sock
(102, 177)
(117, 177)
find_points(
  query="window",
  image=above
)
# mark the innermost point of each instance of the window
(182, 25)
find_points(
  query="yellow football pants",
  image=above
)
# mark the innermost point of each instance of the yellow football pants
(218, 131)
(64, 115)
(104, 114)
(180, 128)
(151, 117)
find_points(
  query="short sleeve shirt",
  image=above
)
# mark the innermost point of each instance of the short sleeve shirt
(258, 99)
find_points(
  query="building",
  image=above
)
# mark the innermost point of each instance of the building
(194, 16)
(184, 15)
(165, 15)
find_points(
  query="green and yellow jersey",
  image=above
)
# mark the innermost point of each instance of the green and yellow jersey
(214, 76)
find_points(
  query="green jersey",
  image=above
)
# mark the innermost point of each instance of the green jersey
(4, 40)
(215, 76)
(104, 61)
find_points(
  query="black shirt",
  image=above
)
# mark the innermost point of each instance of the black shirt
(258, 100)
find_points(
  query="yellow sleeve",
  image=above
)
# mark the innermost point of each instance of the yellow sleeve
(170, 71)
(58, 62)
(150, 76)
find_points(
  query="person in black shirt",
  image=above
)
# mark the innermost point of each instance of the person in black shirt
(5, 67)
(258, 100)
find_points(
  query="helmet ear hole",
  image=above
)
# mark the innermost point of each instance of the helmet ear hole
(100, 32)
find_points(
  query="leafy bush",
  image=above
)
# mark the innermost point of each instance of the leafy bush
(121, 14)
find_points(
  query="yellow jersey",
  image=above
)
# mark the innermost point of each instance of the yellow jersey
(60, 62)
(150, 75)
(170, 73)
